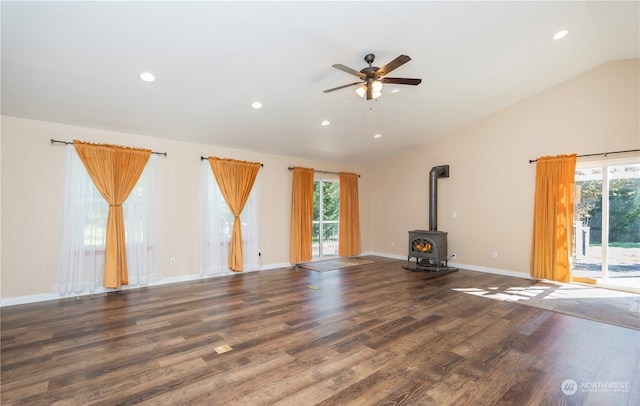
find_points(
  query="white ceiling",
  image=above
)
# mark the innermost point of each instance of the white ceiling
(78, 63)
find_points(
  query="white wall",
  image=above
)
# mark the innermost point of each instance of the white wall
(32, 170)
(491, 184)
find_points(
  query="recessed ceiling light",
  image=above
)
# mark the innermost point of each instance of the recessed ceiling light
(560, 34)
(325, 123)
(147, 76)
(256, 105)
(378, 135)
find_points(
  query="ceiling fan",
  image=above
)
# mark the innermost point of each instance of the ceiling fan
(373, 77)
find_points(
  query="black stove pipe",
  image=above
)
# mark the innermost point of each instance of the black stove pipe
(436, 172)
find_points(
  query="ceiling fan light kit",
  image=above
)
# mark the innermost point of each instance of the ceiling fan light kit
(376, 89)
(373, 77)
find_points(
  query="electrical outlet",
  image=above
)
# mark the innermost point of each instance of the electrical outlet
(172, 260)
(393, 243)
(494, 254)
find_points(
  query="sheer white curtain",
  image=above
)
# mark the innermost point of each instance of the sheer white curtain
(217, 224)
(80, 267)
(141, 219)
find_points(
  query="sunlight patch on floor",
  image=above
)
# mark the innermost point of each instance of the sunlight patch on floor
(578, 292)
(545, 290)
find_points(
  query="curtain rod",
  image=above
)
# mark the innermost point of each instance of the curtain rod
(70, 142)
(333, 173)
(204, 158)
(601, 153)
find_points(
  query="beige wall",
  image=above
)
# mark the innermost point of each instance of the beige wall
(491, 184)
(490, 188)
(32, 170)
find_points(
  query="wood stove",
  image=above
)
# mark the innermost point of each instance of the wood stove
(429, 247)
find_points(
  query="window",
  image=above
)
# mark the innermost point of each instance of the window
(80, 265)
(217, 225)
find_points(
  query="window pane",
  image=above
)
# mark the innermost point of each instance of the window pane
(588, 224)
(623, 250)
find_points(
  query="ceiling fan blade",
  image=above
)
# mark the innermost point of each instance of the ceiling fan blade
(347, 69)
(341, 87)
(399, 61)
(401, 81)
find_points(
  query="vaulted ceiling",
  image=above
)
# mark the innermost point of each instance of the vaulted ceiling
(79, 63)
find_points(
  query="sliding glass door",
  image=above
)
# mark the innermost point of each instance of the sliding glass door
(607, 224)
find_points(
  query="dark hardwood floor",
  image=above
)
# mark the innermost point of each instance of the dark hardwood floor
(372, 334)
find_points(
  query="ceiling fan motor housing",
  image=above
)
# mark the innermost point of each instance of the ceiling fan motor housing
(369, 71)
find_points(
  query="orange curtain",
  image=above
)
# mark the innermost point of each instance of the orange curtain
(553, 218)
(235, 180)
(301, 215)
(115, 171)
(349, 238)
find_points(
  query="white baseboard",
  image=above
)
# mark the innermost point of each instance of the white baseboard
(491, 270)
(275, 266)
